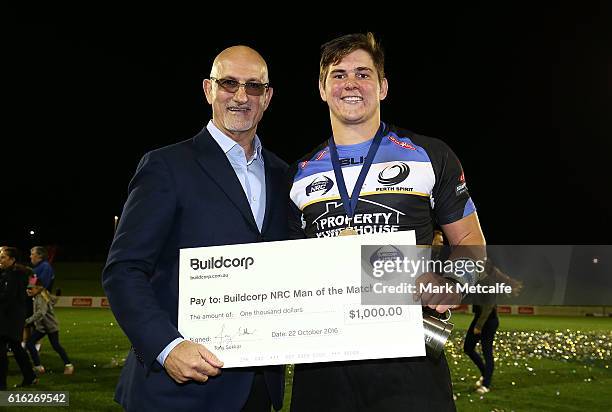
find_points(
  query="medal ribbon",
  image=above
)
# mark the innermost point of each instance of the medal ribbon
(350, 203)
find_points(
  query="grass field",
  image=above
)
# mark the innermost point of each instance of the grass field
(78, 279)
(525, 380)
(542, 364)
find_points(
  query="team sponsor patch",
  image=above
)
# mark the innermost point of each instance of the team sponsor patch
(461, 188)
(351, 161)
(322, 183)
(319, 157)
(401, 144)
(394, 174)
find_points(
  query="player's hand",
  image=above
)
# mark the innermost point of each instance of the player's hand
(191, 361)
(477, 331)
(443, 295)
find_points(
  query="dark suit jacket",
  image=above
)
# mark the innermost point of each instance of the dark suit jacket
(184, 195)
(13, 282)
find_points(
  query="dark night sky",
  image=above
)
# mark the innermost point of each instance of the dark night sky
(522, 96)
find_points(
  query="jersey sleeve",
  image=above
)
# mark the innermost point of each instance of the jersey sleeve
(451, 200)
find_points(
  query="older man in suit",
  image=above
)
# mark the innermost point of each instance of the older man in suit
(218, 188)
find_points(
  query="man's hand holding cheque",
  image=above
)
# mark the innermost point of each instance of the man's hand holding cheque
(192, 361)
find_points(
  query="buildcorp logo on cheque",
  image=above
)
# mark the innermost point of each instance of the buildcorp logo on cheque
(222, 262)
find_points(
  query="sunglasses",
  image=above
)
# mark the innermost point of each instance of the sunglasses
(251, 88)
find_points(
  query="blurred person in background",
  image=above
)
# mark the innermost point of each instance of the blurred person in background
(39, 257)
(485, 325)
(45, 323)
(13, 281)
(41, 266)
(483, 328)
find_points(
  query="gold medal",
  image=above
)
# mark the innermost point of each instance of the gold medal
(348, 231)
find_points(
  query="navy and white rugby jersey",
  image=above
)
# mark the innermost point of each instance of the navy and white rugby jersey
(413, 182)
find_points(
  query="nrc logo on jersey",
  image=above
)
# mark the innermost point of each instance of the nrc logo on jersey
(322, 183)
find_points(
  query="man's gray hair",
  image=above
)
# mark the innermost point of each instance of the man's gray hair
(41, 251)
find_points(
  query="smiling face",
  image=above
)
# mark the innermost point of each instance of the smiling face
(352, 89)
(237, 114)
